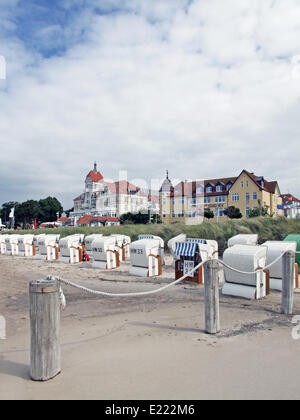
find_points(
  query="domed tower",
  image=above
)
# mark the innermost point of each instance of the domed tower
(166, 194)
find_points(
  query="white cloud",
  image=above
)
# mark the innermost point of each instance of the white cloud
(204, 90)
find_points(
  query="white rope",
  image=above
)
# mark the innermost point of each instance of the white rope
(257, 271)
(97, 292)
(150, 292)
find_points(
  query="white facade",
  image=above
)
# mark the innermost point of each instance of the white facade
(108, 199)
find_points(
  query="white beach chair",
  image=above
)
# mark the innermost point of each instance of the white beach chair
(274, 250)
(145, 258)
(88, 240)
(3, 244)
(123, 246)
(247, 258)
(25, 243)
(35, 242)
(12, 246)
(48, 247)
(161, 245)
(71, 249)
(105, 254)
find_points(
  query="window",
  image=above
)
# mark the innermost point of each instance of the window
(207, 200)
(247, 198)
(219, 212)
(235, 197)
(228, 186)
(247, 211)
(208, 189)
(220, 199)
(242, 184)
(219, 188)
(181, 214)
(247, 184)
(255, 196)
(173, 214)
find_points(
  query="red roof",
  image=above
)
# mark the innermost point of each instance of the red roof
(87, 219)
(95, 176)
(64, 219)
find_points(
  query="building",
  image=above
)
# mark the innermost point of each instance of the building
(291, 206)
(108, 199)
(246, 192)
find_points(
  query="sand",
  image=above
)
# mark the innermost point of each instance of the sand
(150, 347)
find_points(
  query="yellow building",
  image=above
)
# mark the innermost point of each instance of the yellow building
(246, 192)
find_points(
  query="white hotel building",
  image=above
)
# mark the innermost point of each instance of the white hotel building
(108, 199)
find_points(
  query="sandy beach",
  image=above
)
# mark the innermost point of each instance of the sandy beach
(151, 347)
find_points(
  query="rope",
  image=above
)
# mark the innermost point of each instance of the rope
(150, 292)
(257, 271)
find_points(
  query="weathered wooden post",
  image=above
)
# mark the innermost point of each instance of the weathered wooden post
(288, 275)
(45, 329)
(212, 300)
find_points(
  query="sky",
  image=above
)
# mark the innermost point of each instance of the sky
(203, 88)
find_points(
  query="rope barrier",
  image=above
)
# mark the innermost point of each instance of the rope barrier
(96, 292)
(149, 292)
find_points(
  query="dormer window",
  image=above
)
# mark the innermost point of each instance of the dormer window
(219, 188)
(209, 189)
(228, 186)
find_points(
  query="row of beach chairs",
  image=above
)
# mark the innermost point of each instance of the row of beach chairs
(147, 257)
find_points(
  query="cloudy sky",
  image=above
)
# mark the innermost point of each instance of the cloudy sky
(203, 88)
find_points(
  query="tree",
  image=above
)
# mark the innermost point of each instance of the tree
(69, 211)
(28, 211)
(208, 214)
(139, 218)
(5, 210)
(50, 206)
(44, 210)
(233, 213)
(259, 212)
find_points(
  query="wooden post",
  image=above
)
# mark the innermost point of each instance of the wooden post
(288, 275)
(211, 292)
(45, 329)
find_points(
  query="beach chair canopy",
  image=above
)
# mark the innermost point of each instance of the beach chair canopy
(243, 240)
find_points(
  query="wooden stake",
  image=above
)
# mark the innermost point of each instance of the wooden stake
(45, 329)
(212, 300)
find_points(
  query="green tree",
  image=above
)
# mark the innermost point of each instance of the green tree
(208, 214)
(28, 211)
(139, 218)
(233, 213)
(5, 210)
(50, 206)
(259, 212)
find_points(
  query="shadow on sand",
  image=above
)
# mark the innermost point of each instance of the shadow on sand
(18, 370)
